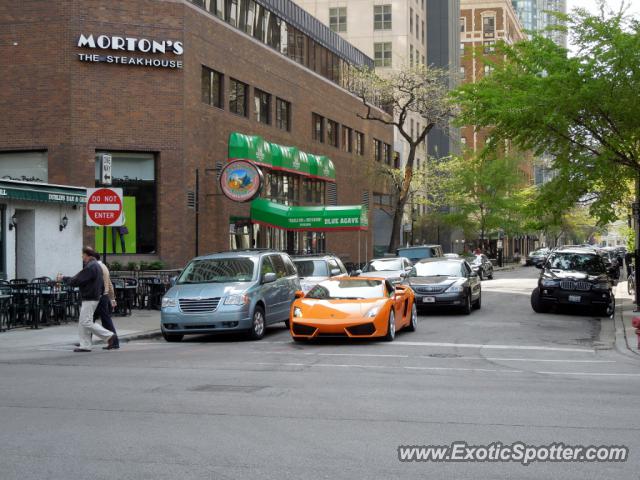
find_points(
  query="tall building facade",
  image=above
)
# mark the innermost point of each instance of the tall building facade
(537, 15)
(394, 34)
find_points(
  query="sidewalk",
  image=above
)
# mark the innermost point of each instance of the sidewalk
(141, 324)
(626, 337)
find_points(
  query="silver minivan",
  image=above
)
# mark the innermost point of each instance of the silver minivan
(240, 290)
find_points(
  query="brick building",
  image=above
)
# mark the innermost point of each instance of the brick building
(161, 86)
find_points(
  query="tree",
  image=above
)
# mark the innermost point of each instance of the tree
(485, 194)
(418, 90)
(581, 109)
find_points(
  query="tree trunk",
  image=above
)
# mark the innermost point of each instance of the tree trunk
(394, 241)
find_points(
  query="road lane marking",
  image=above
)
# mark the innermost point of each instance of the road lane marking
(490, 346)
(593, 374)
(352, 365)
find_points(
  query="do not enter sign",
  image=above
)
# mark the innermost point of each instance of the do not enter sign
(104, 207)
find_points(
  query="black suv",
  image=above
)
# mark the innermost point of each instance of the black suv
(419, 252)
(574, 276)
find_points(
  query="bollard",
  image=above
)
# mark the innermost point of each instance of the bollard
(635, 323)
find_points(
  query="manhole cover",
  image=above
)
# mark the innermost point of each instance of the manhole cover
(444, 355)
(226, 388)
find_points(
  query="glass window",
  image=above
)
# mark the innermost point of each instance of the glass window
(382, 17)
(359, 143)
(312, 268)
(417, 27)
(273, 31)
(347, 134)
(489, 46)
(238, 97)
(488, 69)
(135, 173)
(211, 87)
(260, 19)
(377, 149)
(428, 269)
(267, 265)
(332, 133)
(283, 114)
(462, 74)
(318, 127)
(262, 102)
(25, 166)
(382, 54)
(411, 55)
(278, 263)
(488, 25)
(348, 289)
(463, 24)
(423, 31)
(338, 19)
(218, 270)
(291, 269)
(386, 153)
(231, 12)
(411, 20)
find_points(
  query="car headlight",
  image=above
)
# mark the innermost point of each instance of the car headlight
(373, 312)
(549, 282)
(169, 302)
(601, 286)
(236, 300)
(297, 312)
(455, 289)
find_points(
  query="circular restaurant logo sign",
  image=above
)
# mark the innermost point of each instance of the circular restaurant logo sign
(241, 180)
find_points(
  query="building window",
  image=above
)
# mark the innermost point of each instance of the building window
(411, 20)
(318, 127)
(347, 133)
(377, 150)
(386, 153)
(29, 166)
(411, 55)
(423, 32)
(489, 26)
(463, 140)
(382, 17)
(489, 46)
(134, 172)
(238, 97)
(211, 87)
(382, 54)
(283, 114)
(417, 27)
(338, 19)
(332, 133)
(488, 69)
(263, 106)
(462, 74)
(396, 159)
(359, 143)
(463, 24)
(231, 12)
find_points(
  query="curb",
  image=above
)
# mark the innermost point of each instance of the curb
(621, 339)
(136, 336)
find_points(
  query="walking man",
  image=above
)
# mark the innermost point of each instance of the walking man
(106, 305)
(91, 284)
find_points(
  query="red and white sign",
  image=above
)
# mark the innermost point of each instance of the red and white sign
(104, 207)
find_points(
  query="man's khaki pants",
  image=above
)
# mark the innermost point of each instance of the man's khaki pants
(86, 327)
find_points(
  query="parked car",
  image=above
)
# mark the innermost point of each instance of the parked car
(537, 257)
(575, 276)
(481, 264)
(313, 269)
(393, 269)
(419, 252)
(353, 307)
(612, 263)
(451, 255)
(230, 291)
(445, 282)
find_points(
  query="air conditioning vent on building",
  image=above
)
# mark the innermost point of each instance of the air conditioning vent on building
(332, 194)
(365, 199)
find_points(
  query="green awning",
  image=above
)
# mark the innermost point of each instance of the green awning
(250, 147)
(41, 192)
(280, 157)
(351, 217)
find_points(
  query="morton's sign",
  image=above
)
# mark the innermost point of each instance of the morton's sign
(122, 50)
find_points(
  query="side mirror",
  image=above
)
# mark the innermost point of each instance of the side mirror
(172, 281)
(404, 274)
(355, 273)
(299, 294)
(269, 277)
(335, 271)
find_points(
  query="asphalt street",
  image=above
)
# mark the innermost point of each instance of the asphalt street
(218, 408)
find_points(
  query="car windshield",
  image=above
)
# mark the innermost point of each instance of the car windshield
(415, 254)
(476, 259)
(383, 265)
(581, 262)
(438, 269)
(312, 268)
(539, 253)
(218, 270)
(347, 289)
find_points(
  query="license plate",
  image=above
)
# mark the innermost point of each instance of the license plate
(574, 298)
(429, 300)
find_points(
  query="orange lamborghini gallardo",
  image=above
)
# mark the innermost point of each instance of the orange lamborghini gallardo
(357, 307)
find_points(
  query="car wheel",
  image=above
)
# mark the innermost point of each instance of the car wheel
(391, 328)
(466, 309)
(256, 332)
(490, 276)
(413, 320)
(286, 323)
(478, 303)
(610, 308)
(172, 337)
(536, 302)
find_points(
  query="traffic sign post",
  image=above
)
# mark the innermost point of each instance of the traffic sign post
(104, 209)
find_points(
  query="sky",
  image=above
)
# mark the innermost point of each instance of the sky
(592, 6)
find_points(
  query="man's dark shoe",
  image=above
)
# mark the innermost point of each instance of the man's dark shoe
(113, 347)
(110, 342)
(77, 350)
